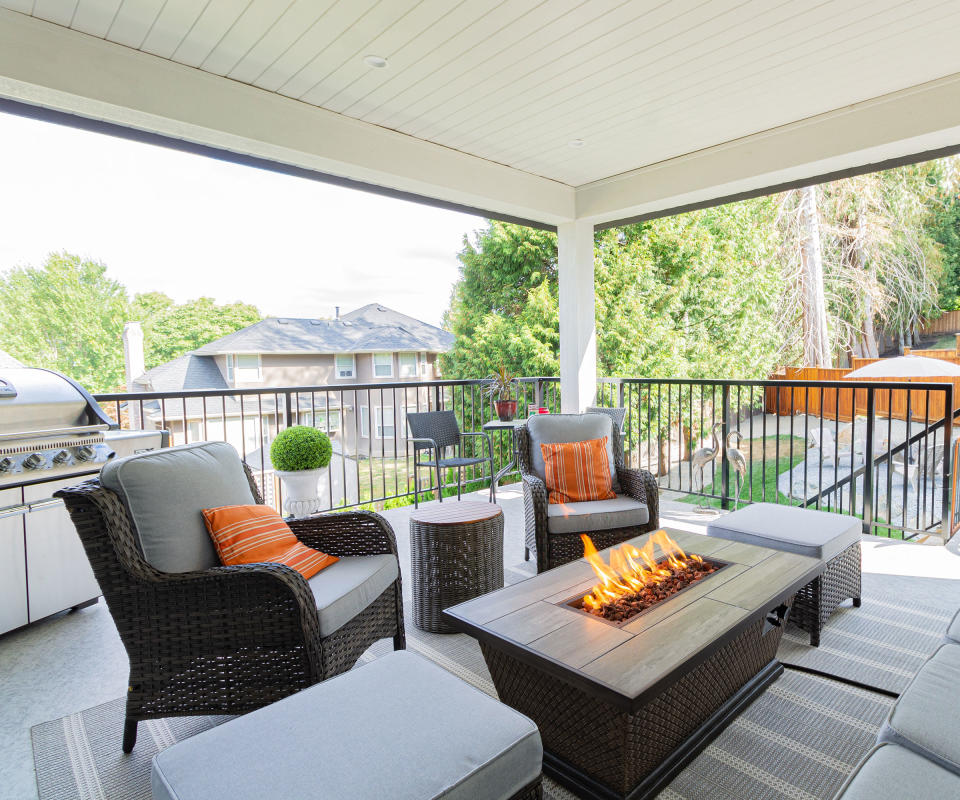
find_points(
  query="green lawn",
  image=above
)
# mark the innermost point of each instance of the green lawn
(766, 453)
(946, 342)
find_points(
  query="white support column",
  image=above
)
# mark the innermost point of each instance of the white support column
(578, 330)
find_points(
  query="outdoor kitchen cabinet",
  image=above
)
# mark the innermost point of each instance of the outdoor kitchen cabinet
(59, 575)
(13, 565)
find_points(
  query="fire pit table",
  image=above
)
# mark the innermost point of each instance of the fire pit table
(624, 703)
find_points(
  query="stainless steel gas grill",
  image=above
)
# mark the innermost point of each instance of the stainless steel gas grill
(52, 434)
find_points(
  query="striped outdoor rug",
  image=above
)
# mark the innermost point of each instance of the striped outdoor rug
(799, 740)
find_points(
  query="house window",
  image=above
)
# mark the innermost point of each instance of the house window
(424, 366)
(346, 366)
(230, 367)
(364, 421)
(408, 364)
(383, 365)
(247, 368)
(384, 421)
(404, 431)
(329, 421)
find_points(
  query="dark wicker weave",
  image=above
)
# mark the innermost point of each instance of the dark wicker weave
(532, 791)
(555, 549)
(819, 599)
(226, 640)
(438, 431)
(614, 747)
(618, 414)
(452, 564)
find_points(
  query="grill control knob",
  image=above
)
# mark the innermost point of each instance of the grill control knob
(63, 457)
(33, 461)
(6, 465)
(84, 453)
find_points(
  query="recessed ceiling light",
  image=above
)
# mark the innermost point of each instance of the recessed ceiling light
(377, 62)
(576, 144)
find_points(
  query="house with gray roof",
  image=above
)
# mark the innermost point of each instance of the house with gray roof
(370, 345)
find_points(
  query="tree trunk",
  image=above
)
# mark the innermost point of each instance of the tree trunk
(816, 347)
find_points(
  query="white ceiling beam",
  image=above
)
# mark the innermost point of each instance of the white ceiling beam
(901, 124)
(53, 67)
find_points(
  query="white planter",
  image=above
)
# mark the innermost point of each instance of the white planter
(300, 491)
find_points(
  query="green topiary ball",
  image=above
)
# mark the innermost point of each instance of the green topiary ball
(299, 447)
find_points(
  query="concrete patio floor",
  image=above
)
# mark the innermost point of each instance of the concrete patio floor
(75, 660)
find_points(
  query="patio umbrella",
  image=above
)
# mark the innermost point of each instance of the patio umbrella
(907, 367)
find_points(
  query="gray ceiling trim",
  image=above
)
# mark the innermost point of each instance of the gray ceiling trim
(850, 172)
(57, 117)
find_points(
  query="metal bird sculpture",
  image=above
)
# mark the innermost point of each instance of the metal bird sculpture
(738, 462)
(704, 455)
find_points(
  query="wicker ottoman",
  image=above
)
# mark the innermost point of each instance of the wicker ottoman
(833, 538)
(456, 551)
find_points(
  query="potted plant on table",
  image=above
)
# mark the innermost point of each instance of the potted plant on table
(499, 387)
(299, 455)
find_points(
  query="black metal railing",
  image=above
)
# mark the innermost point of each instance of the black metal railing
(872, 450)
(372, 461)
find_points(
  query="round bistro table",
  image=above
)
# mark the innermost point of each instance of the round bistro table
(456, 550)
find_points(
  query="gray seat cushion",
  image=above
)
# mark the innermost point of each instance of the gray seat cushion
(952, 636)
(345, 588)
(924, 719)
(819, 534)
(890, 772)
(165, 491)
(596, 515)
(556, 428)
(400, 727)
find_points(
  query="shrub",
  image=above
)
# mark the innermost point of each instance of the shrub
(299, 447)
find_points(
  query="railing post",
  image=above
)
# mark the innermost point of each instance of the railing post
(868, 466)
(724, 462)
(620, 392)
(946, 504)
(287, 411)
(538, 393)
(437, 394)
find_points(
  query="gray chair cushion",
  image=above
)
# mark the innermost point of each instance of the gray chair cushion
(400, 727)
(596, 515)
(952, 636)
(345, 588)
(894, 773)
(924, 719)
(556, 428)
(165, 491)
(819, 534)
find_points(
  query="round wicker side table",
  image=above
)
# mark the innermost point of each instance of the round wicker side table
(456, 550)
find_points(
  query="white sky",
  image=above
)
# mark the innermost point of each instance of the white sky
(190, 226)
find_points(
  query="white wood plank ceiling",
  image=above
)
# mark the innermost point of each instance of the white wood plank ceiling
(516, 81)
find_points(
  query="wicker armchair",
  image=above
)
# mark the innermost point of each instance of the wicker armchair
(554, 549)
(226, 640)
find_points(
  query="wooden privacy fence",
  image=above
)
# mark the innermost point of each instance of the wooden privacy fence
(948, 323)
(845, 404)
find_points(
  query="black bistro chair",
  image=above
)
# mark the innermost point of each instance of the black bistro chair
(436, 432)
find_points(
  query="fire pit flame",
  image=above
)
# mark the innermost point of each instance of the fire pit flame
(635, 579)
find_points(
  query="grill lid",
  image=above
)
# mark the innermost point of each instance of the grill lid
(40, 402)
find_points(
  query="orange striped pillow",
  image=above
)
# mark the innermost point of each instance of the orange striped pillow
(577, 471)
(254, 534)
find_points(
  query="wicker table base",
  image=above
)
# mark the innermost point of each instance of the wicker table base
(600, 751)
(456, 551)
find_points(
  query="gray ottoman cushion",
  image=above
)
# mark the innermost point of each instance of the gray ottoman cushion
(924, 719)
(557, 428)
(952, 636)
(399, 727)
(596, 515)
(819, 534)
(344, 589)
(890, 772)
(165, 491)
